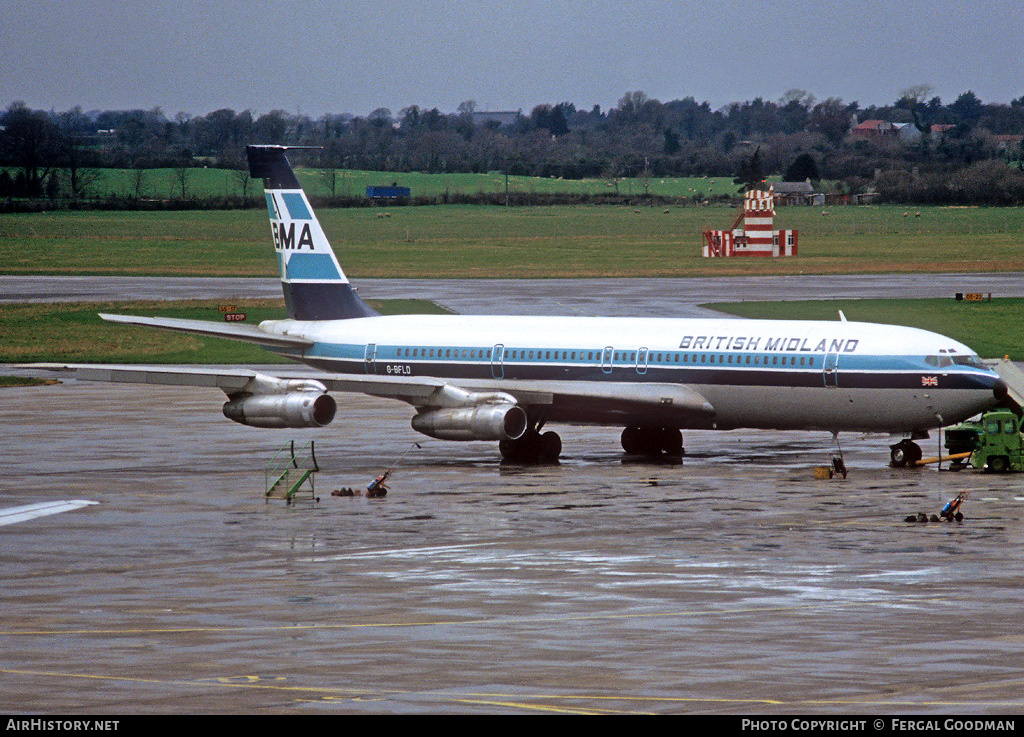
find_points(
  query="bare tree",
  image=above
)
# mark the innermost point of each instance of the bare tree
(243, 179)
(914, 98)
(182, 173)
(139, 182)
(330, 178)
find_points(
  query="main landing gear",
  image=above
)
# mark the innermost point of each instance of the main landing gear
(904, 453)
(532, 447)
(653, 441)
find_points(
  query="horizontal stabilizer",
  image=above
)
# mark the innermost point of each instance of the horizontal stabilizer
(248, 333)
(269, 164)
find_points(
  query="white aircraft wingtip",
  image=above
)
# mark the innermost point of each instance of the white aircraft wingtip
(12, 515)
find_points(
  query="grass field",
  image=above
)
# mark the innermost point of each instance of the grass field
(994, 329)
(166, 184)
(533, 242)
(64, 332)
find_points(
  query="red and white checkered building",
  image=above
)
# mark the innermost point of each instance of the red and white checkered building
(752, 233)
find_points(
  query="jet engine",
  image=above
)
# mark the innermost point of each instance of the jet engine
(480, 422)
(282, 404)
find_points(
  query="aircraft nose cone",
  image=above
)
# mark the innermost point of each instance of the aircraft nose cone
(999, 389)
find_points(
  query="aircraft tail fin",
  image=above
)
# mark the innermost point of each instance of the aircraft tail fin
(315, 287)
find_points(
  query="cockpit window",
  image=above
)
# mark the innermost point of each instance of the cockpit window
(972, 361)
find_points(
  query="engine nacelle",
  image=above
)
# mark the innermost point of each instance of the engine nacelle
(294, 409)
(479, 422)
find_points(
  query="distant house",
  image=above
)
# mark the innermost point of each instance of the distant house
(875, 129)
(1006, 142)
(793, 193)
(908, 132)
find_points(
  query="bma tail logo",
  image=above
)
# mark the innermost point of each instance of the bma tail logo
(284, 236)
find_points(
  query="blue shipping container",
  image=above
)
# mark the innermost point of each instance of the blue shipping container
(387, 192)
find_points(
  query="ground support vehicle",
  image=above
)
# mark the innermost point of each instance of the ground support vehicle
(995, 442)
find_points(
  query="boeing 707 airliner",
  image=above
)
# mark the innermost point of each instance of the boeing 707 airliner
(506, 379)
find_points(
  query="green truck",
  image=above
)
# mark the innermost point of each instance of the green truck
(994, 443)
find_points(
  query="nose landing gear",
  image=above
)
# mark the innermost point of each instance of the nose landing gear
(904, 453)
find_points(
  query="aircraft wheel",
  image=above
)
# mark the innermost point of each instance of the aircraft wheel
(632, 440)
(904, 453)
(550, 447)
(531, 448)
(507, 448)
(671, 441)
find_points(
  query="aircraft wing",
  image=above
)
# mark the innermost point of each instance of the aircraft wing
(226, 378)
(582, 401)
(232, 331)
(12, 515)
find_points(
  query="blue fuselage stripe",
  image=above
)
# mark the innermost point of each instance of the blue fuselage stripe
(677, 367)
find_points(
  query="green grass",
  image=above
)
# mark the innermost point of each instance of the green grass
(527, 242)
(73, 332)
(354, 183)
(17, 381)
(994, 329)
(206, 182)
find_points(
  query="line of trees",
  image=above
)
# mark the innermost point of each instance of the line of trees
(965, 151)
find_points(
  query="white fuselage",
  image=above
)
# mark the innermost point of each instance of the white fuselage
(755, 373)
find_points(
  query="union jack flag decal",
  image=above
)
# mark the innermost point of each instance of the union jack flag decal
(929, 381)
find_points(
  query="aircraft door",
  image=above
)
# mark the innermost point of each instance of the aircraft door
(641, 361)
(498, 361)
(830, 369)
(370, 358)
(606, 360)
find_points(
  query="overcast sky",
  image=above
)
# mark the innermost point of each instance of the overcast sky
(338, 56)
